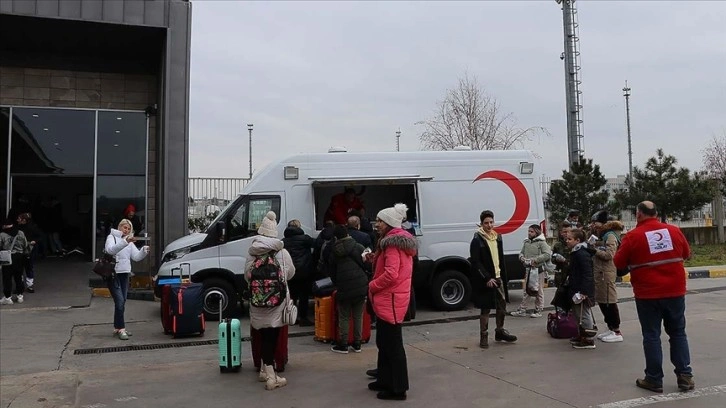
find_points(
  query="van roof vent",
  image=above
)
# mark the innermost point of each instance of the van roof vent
(337, 149)
(462, 148)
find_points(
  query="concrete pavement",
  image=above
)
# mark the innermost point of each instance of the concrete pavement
(38, 367)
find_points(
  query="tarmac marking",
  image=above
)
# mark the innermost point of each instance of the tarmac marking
(126, 399)
(674, 396)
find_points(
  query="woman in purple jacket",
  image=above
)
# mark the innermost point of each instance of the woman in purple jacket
(389, 293)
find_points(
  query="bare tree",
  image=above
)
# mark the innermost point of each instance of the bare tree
(714, 158)
(468, 116)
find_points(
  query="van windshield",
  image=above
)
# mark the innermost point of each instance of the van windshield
(222, 214)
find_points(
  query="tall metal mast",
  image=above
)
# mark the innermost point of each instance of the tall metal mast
(573, 94)
(626, 93)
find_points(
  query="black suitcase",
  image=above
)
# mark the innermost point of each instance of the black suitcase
(187, 309)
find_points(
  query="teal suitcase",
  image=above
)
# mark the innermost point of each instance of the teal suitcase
(230, 344)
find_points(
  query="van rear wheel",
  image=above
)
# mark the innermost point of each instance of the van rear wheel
(451, 290)
(213, 289)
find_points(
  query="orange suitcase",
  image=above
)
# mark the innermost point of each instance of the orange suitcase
(325, 319)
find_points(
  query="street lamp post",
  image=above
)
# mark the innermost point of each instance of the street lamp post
(626, 93)
(398, 140)
(249, 127)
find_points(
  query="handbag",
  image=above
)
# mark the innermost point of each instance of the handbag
(6, 255)
(289, 311)
(105, 266)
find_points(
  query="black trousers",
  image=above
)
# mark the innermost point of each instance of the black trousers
(13, 272)
(269, 344)
(392, 366)
(611, 315)
(300, 292)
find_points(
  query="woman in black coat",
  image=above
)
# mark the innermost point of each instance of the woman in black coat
(300, 246)
(581, 286)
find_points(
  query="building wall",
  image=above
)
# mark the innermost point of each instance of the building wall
(91, 90)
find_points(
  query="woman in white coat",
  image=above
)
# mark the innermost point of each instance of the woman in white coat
(120, 244)
(268, 320)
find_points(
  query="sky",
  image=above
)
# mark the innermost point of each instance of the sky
(312, 75)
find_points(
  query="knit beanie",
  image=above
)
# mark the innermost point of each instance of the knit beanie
(268, 228)
(129, 208)
(393, 216)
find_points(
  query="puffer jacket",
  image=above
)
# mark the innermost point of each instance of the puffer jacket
(21, 245)
(390, 289)
(537, 251)
(581, 272)
(603, 267)
(300, 246)
(264, 317)
(123, 251)
(346, 270)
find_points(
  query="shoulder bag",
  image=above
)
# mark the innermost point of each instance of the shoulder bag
(105, 265)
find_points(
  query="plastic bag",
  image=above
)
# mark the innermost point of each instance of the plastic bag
(532, 286)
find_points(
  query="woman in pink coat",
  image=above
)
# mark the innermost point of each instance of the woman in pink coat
(389, 293)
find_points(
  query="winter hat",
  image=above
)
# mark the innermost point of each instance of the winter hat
(393, 216)
(269, 225)
(129, 208)
(600, 216)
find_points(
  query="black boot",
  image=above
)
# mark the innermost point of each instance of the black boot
(504, 335)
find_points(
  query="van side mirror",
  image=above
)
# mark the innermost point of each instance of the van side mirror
(220, 229)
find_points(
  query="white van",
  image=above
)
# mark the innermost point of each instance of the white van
(445, 192)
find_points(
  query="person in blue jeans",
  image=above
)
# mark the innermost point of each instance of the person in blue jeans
(654, 253)
(120, 244)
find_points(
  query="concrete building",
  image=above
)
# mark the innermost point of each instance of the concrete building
(94, 113)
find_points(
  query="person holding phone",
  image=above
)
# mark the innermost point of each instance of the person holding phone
(120, 244)
(489, 279)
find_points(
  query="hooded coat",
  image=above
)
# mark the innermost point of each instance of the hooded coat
(346, 270)
(265, 317)
(603, 267)
(300, 246)
(537, 251)
(390, 289)
(581, 278)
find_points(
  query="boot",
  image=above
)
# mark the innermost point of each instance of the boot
(263, 375)
(504, 335)
(273, 380)
(484, 331)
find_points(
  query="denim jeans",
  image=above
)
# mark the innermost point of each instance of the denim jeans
(119, 288)
(672, 313)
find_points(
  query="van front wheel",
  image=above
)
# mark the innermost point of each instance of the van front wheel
(213, 287)
(450, 290)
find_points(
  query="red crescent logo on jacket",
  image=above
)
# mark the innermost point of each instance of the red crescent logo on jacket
(521, 199)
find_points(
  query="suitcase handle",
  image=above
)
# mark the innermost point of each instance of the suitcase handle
(221, 301)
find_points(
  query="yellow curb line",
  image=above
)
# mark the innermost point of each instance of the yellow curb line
(101, 292)
(717, 273)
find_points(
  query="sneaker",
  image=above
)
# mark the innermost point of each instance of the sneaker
(20, 299)
(604, 334)
(584, 344)
(535, 315)
(6, 301)
(30, 289)
(647, 385)
(574, 340)
(339, 349)
(612, 338)
(123, 335)
(356, 347)
(686, 383)
(519, 313)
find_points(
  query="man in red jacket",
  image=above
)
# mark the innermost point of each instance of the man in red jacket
(654, 253)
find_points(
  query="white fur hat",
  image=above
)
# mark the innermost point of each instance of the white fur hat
(393, 216)
(268, 228)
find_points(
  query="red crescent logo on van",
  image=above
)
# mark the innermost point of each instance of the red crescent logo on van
(521, 199)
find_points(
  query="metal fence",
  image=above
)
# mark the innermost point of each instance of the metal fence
(208, 195)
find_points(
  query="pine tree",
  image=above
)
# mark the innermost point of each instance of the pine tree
(675, 192)
(580, 189)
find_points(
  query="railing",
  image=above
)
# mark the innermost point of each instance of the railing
(210, 194)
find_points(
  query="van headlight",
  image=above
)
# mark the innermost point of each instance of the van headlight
(176, 254)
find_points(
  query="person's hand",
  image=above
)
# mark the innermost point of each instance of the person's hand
(145, 249)
(369, 257)
(592, 240)
(130, 239)
(492, 283)
(32, 242)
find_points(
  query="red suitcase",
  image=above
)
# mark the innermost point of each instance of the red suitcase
(280, 350)
(365, 333)
(167, 317)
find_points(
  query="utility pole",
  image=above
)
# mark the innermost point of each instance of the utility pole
(398, 140)
(573, 95)
(249, 127)
(626, 93)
